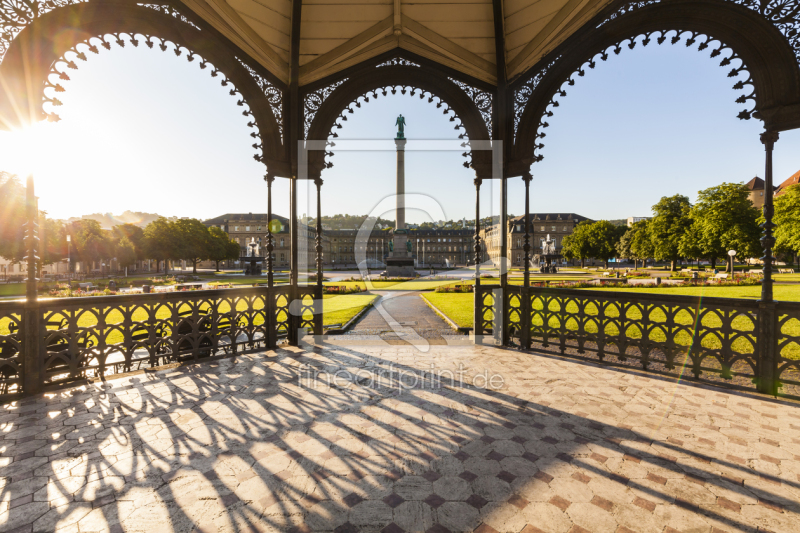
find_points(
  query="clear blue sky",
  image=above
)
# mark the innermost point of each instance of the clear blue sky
(146, 131)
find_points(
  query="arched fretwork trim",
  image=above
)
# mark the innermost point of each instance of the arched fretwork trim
(37, 56)
(440, 91)
(765, 52)
(468, 102)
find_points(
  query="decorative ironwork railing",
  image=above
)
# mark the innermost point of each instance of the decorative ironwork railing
(99, 336)
(709, 339)
(788, 349)
(10, 346)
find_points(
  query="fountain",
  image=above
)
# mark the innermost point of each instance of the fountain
(252, 261)
(548, 257)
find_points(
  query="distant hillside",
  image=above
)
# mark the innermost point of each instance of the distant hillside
(108, 221)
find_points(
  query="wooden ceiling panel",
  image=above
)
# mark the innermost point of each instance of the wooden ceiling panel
(336, 34)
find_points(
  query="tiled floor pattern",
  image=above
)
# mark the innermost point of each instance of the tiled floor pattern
(254, 444)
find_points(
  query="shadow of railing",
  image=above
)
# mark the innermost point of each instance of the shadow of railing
(245, 442)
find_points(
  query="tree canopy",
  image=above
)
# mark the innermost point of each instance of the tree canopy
(724, 219)
(787, 220)
(667, 227)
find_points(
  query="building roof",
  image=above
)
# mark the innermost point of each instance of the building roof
(793, 180)
(550, 217)
(457, 33)
(244, 217)
(755, 184)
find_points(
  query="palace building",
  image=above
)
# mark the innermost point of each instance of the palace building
(557, 225)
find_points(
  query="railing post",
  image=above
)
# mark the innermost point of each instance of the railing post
(32, 378)
(478, 314)
(294, 320)
(525, 319)
(318, 249)
(269, 178)
(767, 308)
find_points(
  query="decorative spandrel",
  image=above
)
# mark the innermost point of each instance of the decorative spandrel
(397, 62)
(783, 14)
(273, 94)
(523, 94)
(169, 10)
(481, 99)
(16, 15)
(313, 101)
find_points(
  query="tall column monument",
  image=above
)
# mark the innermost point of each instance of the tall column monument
(400, 263)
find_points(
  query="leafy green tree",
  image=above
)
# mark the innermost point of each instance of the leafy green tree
(12, 217)
(194, 241)
(134, 234)
(724, 219)
(667, 227)
(624, 245)
(603, 237)
(125, 252)
(641, 245)
(787, 220)
(90, 243)
(578, 245)
(221, 247)
(160, 242)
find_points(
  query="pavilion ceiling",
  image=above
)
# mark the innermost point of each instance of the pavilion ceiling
(336, 34)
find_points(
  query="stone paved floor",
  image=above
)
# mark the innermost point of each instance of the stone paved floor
(254, 444)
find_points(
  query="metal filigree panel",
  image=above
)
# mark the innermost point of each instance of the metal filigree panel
(783, 14)
(10, 347)
(667, 334)
(788, 357)
(313, 101)
(398, 62)
(15, 15)
(522, 95)
(481, 99)
(515, 320)
(169, 10)
(633, 6)
(273, 94)
(486, 303)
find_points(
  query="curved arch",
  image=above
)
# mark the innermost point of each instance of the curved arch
(416, 80)
(60, 39)
(764, 53)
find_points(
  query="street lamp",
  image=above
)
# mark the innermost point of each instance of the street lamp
(69, 255)
(732, 254)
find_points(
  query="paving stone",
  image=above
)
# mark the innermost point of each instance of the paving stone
(581, 455)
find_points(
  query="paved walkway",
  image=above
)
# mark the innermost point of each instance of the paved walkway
(401, 318)
(253, 444)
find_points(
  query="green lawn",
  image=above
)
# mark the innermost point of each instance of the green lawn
(339, 308)
(12, 289)
(458, 307)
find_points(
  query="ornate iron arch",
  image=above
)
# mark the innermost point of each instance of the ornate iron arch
(729, 30)
(39, 56)
(468, 106)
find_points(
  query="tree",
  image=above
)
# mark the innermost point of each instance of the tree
(12, 217)
(787, 220)
(578, 245)
(667, 227)
(725, 219)
(134, 234)
(603, 237)
(125, 252)
(221, 246)
(641, 245)
(194, 241)
(160, 242)
(90, 242)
